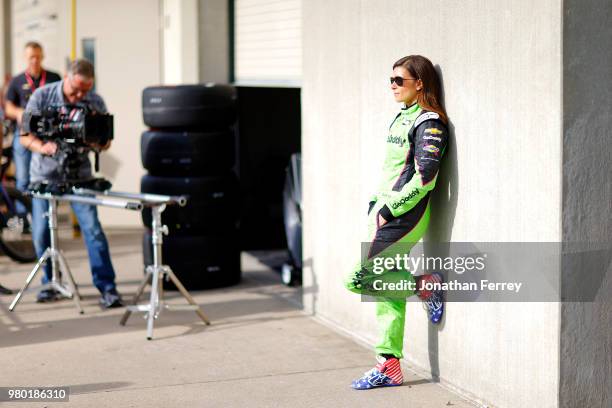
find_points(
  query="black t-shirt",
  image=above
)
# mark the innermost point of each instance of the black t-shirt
(20, 89)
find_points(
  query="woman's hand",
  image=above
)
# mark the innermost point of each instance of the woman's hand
(384, 216)
(381, 221)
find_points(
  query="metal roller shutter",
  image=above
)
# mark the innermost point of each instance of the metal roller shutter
(268, 42)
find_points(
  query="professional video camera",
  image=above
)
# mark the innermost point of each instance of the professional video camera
(77, 130)
(77, 125)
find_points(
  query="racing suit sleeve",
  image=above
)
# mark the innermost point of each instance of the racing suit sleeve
(371, 205)
(430, 141)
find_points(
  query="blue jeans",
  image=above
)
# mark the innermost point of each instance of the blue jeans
(21, 158)
(97, 246)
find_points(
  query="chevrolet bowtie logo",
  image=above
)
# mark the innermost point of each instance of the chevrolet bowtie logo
(433, 131)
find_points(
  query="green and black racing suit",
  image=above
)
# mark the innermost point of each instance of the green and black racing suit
(414, 148)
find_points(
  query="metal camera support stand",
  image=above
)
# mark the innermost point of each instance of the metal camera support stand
(154, 273)
(59, 266)
(157, 271)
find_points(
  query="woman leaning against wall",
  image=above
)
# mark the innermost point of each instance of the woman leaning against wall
(399, 213)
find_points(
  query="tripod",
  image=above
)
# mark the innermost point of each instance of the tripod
(59, 266)
(154, 275)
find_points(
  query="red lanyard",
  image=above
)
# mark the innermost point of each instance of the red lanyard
(41, 83)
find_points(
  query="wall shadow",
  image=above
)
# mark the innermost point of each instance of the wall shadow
(436, 241)
(313, 289)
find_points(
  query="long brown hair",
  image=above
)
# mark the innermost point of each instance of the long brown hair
(428, 97)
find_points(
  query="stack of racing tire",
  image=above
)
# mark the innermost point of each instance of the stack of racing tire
(190, 149)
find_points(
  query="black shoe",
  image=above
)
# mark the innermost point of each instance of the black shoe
(47, 295)
(110, 299)
(5, 291)
(27, 228)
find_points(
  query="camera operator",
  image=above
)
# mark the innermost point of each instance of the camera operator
(18, 93)
(75, 88)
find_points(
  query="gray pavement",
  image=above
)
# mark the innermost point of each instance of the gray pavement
(260, 351)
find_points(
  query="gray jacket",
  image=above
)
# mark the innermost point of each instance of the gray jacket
(45, 168)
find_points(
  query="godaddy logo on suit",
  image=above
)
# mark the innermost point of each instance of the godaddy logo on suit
(410, 196)
(396, 140)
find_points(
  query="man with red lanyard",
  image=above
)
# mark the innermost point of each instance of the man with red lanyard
(19, 91)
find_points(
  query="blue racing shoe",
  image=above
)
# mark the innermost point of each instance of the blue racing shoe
(434, 303)
(387, 373)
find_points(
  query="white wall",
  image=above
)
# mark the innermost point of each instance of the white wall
(2, 42)
(501, 180)
(127, 35)
(45, 22)
(180, 42)
(127, 47)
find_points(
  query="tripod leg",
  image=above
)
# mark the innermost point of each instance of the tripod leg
(139, 292)
(153, 303)
(64, 266)
(160, 289)
(186, 294)
(29, 279)
(76, 296)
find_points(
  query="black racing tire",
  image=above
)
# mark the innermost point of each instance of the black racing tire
(187, 153)
(290, 275)
(292, 212)
(207, 106)
(199, 262)
(212, 205)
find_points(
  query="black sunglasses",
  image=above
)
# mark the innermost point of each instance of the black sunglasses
(400, 81)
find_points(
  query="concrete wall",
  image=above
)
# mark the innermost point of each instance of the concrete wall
(501, 179)
(127, 36)
(4, 37)
(180, 42)
(46, 22)
(586, 335)
(214, 41)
